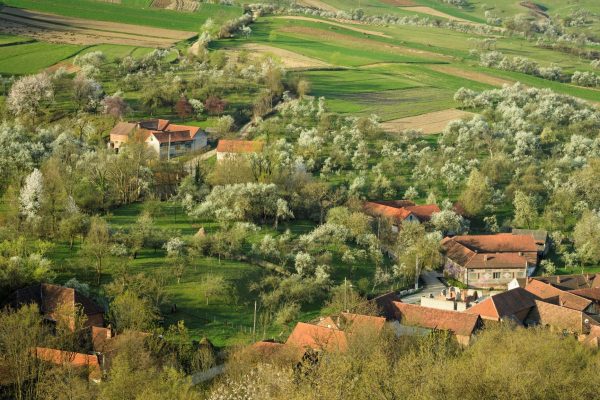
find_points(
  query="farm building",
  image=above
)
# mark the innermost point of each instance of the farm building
(490, 261)
(513, 305)
(166, 139)
(49, 298)
(235, 148)
(399, 211)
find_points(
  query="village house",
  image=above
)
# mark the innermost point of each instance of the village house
(49, 298)
(399, 211)
(550, 294)
(489, 261)
(512, 305)
(166, 139)
(413, 319)
(564, 282)
(560, 318)
(228, 149)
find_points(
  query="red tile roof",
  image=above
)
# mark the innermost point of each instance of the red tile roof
(60, 357)
(432, 318)
(354, 322)
(589, 293)
(400, 209)
(503, 250)
(48, 297)
(380, 210)
(549, 293)
(509, 304)
(423, 212)
(239, 146)
(160, 128)
(563, 318)
(498, 243)
(571, 282)
(308, 336)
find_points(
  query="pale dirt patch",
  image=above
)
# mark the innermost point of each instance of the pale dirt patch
(433, 122)
(363, 42)
(435, 13)
(318, 4)
(471, 75)
(62, 23)
(67, 66)
(289, 59)
(351, 28)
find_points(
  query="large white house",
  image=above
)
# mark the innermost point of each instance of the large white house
(166, 139)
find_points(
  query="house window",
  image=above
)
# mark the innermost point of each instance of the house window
(496, 275)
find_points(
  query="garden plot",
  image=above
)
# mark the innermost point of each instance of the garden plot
(59, 29)
(433, 122)
(178, 5)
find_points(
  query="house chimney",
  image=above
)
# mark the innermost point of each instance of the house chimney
(521, 253)
(485, 258)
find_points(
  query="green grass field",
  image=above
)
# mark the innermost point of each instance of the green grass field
(32, 57)
(134, 12)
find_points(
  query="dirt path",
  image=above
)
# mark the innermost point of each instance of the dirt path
(351, 28)
(289, 59)
(433, 122)
(471, 75)
(60, 29)
(435, 13)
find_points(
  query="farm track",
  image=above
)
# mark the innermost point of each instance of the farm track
(58, 29)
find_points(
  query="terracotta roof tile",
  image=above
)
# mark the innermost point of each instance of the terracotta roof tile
(424, 212)
(549, 293)
(498, 243)
(308, 336)
(560, 317)
(432, 318)
(588, 293)
(81, 360)
(509, 304)
(571, 282)
(354, 322)
(239, 146)
(123, 129)
(380, 210)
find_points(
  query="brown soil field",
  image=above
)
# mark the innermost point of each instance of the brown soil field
(318, 4)
(471, 75)
(363, 42)
(289, 59)
(351, 28)
(58, 29)
(429, 123)
(435, 13)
